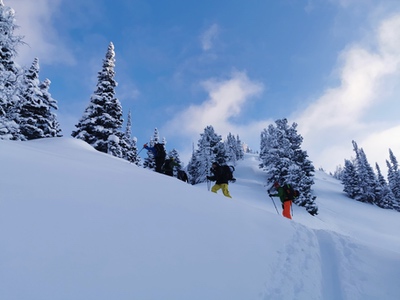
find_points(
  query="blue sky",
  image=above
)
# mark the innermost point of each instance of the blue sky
(332, 66)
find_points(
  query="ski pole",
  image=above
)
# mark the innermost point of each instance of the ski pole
(274, 205)
(140, 151)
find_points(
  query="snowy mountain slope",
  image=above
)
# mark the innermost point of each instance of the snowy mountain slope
(79, 224)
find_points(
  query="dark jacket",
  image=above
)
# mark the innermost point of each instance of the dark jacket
(219, 175)
(169, 165)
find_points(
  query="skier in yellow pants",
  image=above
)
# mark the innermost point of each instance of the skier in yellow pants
(221, 180)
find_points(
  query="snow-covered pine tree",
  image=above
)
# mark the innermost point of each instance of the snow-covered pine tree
(394, 175)
(114, 145)
(338, 172)
(103, 116)
(9, 73)
(149, 161)
(174, 154)
(385, 197)
(350, 180)
(210, 149)
(239, 147)
(31, 106)
(366, 177)
(231, 148)
(53, 129)
(284, 161)
(193, 168)
(36, 119)
(128, 144)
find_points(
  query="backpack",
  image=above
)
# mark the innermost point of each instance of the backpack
(227, 172)
(160, 151)
(289, 193)
(168, 164)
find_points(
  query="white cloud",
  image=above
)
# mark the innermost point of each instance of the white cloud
(226, 100)
(208, 37)
(351, 111)
(35, 19)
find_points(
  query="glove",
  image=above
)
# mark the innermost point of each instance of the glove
(270, 195)
(208, 177)
(145, 145)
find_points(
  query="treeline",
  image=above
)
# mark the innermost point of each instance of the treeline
(363, 184)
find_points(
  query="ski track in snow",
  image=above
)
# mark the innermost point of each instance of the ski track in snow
(326, 257)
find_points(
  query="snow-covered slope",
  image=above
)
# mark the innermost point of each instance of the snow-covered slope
(79, 224)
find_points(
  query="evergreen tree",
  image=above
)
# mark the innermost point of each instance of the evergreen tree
(385, 197)
(193, 168)
(394, 175)
(9, 74)
(231, 148)
(103, 117)
(210, 149)
(239, 147)
(35, 118)
(175, 156)
(350, 180)
(338, 174)
(367, 182)
(53, 129)
(284, 161)
(149, 162)
(114, 145)
(128, 144)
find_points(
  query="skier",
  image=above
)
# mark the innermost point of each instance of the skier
(221, 179)
(169, 165)
(285, 199)
(159, 155)
(183, 176)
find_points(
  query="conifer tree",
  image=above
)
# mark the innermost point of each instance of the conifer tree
(394, 175)
(53, 129)
(174, 154)
(35, 118)
(350, 180)
(231, 148)
(367, 182)
(284, 161)
(239, 147)
(210, 149)
(103, 117)
(128, 143)
(149, 161)
(385, 197)
(9, 74)
(192, 168)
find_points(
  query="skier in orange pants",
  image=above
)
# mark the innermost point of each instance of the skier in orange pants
(286, 203)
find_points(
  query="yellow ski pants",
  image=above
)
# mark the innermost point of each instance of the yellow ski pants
(224, 187)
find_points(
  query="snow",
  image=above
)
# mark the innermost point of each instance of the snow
(79, 224)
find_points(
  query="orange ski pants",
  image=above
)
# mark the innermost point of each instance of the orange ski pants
(286, 209)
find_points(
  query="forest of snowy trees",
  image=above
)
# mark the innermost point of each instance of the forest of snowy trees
(363, 184)
(27, 111)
